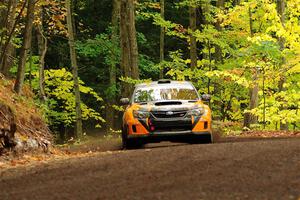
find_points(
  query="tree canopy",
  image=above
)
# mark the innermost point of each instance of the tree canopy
(245, 53)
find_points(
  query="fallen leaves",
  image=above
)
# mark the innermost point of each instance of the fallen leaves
(11, 161)
(270, 134)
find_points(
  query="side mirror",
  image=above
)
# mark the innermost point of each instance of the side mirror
(206, 97)
(124, 101)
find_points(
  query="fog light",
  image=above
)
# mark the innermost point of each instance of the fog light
(205, 125)
(134, 128)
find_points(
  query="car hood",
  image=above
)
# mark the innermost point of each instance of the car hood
(168, 105)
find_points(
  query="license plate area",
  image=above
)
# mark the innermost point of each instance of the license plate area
(162, 125)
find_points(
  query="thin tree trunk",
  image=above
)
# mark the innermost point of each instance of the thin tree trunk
(30, 68)
(78, 128)
(209, 67)
(26, 46)
(129, 49)
(42, 49)
(4, 14)
(114, 39)
(236, 2)
(281, 40)
(74, 7)
(110, 112)
(11, 33)
(162, 38)
(193, 42)
(253, 92)
(133, 41)
(218, 59)
(7, 60)
(250, 22)
(218, 52)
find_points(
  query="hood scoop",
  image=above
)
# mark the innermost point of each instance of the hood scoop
(167, 103)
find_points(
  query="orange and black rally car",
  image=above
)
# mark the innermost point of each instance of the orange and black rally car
(165, 110)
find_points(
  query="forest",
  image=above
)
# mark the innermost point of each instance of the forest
(79, 57)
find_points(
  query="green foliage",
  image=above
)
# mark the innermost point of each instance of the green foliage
(61, 103)
(133, 81)
(103, 46)
(100, 45)
(31, 66)
(232, 59)
(243, 55)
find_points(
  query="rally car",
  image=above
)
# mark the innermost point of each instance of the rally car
(165, 110)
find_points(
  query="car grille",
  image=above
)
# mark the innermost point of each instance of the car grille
(168, 114)
(173, 125)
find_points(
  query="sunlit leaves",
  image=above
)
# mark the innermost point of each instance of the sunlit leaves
(59, 88)
(248, 50)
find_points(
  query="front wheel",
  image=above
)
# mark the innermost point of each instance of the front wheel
(202, 139)
(129, 143)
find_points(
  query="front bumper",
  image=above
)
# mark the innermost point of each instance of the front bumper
(169, 134)
(173, 136)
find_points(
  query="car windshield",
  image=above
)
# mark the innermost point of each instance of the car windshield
(165, 92)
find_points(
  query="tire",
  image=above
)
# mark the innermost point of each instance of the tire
(202, 139)
(208, 139)
(129, 143)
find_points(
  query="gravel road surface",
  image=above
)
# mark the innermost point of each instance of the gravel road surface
(229, 169)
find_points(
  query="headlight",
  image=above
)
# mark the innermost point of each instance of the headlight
(196, 112)
(141, 114)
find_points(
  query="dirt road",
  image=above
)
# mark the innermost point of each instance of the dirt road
(234, 169)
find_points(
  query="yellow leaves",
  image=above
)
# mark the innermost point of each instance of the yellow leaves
(228, 76)
(145, 5)
(294, 7)
(257, 39)
(293, 60)
(154, 5)
(237, 17)
(59, 87)
(252, 5)
(295, 69)
(54, 16)
(188, 61)
(118, 108)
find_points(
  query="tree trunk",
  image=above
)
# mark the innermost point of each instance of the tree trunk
(78, 128)
(26, 46)
(281, 40)
(253, 92)
(218, 52)
(218, 59)
(7, 60)
(5, 7)
(162, 38)
(193, 42)
(9, 36)
(236, 2)
(42, 50)
(129, 49)
(110, 112)
(2, 14)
